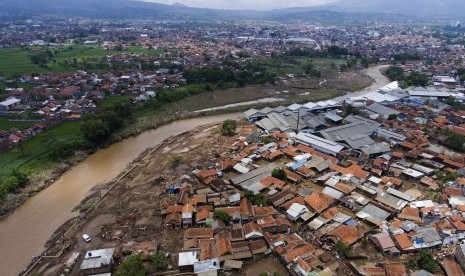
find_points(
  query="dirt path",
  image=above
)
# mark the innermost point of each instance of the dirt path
(379, 81)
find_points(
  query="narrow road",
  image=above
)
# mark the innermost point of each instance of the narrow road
(379, 81)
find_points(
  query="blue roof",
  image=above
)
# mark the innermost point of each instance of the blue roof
(297, 165)
(351, 222)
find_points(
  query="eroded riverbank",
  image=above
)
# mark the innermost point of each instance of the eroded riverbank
(23, 234)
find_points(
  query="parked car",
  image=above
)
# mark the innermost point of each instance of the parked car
(86, 237)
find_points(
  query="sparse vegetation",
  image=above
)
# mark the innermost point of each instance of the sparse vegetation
(342, 249)
(228, 127)
(175, 160)
(160, 260)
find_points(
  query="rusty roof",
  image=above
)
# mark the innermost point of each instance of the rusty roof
(272, 181)
(330, 213)
(174, 209)
(202, 214)
(250, 227)
(198, 233)
(301, 251)
(319, 201)
(298, 199)
(264, 211)
(347, 234)
(403, 241)
(223, 243)
(246, 207)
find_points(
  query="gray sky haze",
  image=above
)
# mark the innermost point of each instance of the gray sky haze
(245, 4)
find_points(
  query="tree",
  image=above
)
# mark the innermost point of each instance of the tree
(8, 185)
(450, 177)
(95, 130)
(20, 146)
(392, 117)
(160, 260)
(134, 266)
(415, 79)
(228, 127)
(427, 262)
(462, 78)
(221, 215)
(267, 139)
(412, 264)
(395, 73)
(258, 199)
(342, 249)
(279, 174)
(61, 151)
(350, 110)
(455, 141)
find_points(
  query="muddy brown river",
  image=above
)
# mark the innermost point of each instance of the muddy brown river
(24, 233)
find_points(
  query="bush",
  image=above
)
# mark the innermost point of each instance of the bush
(428, 263)
(228, 127)
(450, 177)
(221, 215)
(160, 260)
(175, 160)
(279, 174)
(260, 199)
(134, 266)
(455, 141)
(342, 249)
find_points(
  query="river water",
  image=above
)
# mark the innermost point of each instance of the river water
(24, 233)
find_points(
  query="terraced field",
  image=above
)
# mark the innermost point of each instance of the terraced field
(15, 61)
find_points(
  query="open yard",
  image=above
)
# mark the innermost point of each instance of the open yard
(33, 157)
(6, 124)
(296, 65)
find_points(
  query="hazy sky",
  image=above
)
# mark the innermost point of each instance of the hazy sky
(245, 4)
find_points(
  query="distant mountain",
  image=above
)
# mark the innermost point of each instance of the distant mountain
(340, 11)
(116, 9)
(429, 8)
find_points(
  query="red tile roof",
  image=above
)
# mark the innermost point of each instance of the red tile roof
(347, 234)
(319, 201)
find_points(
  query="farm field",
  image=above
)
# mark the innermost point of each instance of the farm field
(16, 61)
(33, 157)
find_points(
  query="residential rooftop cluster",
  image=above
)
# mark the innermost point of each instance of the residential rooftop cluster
(371, 175)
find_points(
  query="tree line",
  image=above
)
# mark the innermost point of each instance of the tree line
(395, 73)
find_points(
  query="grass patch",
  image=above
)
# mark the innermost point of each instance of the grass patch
(16, 61)
(6, 124)
(295, 65)
(34, 157)
(111, 100)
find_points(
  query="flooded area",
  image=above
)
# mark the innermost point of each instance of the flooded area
(24, 233)
(269, 264)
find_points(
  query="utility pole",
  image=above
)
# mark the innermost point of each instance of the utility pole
(298, 120)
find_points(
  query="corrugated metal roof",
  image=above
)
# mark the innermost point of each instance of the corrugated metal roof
(312, 140)
(332, 192)
(341, 133)
(373, 213)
